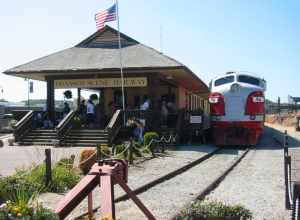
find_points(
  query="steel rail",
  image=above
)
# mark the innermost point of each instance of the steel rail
(160, 180)
(212, 186)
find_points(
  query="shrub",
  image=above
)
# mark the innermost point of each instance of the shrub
(147, 139)
(215, 210)
(42, 213)
(149, 136)
(10, 185)
(63, 178)
(67, 162)
(105, 150)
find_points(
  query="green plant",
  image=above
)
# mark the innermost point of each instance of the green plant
(42, 213)
(31, 210)
(105, 150)
(68, 94)
(67, 162)
(9, 187)
(93, 97)
(118, 149)
(215, 210)
(148, 136)
(63, 178)
(147, 140)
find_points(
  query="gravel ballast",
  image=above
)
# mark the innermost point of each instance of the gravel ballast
(258, 182)
(170, 197)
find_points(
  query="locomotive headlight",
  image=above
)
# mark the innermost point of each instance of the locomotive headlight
(234, 87)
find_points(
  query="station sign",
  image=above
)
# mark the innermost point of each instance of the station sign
(195, 119)
(100, 83)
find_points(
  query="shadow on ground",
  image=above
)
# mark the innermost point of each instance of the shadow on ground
(273, 133)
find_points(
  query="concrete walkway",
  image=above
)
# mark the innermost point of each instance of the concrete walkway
(14, 157)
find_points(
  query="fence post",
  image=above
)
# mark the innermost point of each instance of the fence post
(48, 174)
(296, 202)
(163, 146)
(286, 143)
(130, 151)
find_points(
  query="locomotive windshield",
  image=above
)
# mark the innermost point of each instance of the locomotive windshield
(224, 80)
(249, 79)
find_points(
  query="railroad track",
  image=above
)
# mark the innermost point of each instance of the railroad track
(172, 175)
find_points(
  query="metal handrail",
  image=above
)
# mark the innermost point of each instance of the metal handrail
(23, 125)
(23, 120)
(65, 124)
(114, 125)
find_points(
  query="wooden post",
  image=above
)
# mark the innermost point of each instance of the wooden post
(163, 146)
(99, 154)
(78, 97)
(50, 99)
(90, 205)
(130, 153)
(48, 174)
(107, 197)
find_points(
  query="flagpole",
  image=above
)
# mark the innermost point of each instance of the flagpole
(121, 63)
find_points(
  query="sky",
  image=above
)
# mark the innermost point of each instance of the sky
(209, 36)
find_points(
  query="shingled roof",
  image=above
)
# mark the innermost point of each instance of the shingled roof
(98, 52)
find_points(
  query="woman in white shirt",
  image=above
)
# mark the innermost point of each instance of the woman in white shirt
(90, 111)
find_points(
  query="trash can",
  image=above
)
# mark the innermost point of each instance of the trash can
(298, 124)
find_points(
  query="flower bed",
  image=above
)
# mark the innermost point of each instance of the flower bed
(19, 192)
(22, 205)
(64, 178)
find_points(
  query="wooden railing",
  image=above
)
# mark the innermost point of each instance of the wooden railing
(23, 126)
(114, 125)
(65, 125)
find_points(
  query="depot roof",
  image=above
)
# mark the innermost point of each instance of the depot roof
(100, 53)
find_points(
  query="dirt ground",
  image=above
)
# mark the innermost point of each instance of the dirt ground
(285, 119)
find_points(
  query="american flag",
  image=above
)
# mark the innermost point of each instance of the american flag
(106, 16)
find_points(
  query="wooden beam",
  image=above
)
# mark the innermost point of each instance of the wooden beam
(50, 99)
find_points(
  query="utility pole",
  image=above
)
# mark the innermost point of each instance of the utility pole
(161, 38)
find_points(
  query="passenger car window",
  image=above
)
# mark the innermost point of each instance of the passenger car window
(249, 79)
(224, 80)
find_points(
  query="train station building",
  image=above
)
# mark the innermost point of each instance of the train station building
(94, 64)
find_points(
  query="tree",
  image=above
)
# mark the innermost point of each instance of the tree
(68, 94)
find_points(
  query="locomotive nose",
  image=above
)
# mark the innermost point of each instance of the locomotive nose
(234, 87)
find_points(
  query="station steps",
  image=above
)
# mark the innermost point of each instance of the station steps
(85, 138)
(39, 137)
(76, 138)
